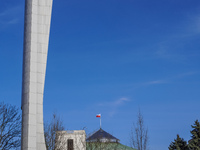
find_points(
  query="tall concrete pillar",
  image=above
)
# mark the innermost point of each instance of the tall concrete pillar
(36, 39)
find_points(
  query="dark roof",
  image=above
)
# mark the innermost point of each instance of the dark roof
(101, 134)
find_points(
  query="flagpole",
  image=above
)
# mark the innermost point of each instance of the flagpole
(100, 122)
(99, 116)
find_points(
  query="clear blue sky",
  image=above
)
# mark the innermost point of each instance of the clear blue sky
(113, 57)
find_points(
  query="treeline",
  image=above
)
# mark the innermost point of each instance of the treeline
(10, 132)
(193, 144)
(11, 125)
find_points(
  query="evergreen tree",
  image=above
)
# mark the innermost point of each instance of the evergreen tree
(194, 143)
(178, 144)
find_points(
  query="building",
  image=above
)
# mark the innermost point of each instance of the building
(102, 136)
(99, 140)
(102, 140)
(71, 140)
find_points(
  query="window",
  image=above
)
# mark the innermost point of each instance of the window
(70, 144)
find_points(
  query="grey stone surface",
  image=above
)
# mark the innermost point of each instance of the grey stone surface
(78, 137)
(36, 39)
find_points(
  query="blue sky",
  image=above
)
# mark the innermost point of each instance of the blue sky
(113, 57)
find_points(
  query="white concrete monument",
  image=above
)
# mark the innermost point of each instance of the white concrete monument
(36, 39)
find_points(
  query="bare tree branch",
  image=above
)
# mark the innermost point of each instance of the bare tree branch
(139, 134)
(10, 127)
(50, 130)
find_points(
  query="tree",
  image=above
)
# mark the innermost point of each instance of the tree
(178, 144)
(106, 146)
(10, 127)
(139, 134)
(194, 143)
(102, 145)
(50, 130)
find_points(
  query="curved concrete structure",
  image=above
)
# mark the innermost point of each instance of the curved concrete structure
(36, 39)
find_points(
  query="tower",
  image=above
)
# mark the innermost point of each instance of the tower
(36, 39)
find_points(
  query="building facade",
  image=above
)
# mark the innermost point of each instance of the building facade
(71, 140)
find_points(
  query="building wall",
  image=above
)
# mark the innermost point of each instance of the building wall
(78, 137)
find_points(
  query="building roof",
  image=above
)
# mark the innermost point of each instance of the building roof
(102, 136)
(102, 140)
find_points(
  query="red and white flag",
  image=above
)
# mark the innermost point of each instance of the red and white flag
(98, 115)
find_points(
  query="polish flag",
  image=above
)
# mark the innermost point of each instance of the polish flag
(98, 115)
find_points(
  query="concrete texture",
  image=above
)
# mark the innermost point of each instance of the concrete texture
(78, 137)
(36, 39)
